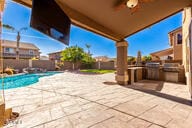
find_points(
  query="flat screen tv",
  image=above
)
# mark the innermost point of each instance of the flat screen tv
(48, 18)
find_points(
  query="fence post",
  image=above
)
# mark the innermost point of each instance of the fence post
(30, 63)
(99, 64)
(56, 61)
(73, 64)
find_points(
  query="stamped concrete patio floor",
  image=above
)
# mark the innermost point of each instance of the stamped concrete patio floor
(70, 100)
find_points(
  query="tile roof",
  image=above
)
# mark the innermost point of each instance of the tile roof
(13, 44)
(163, 52)
(55, 52)
(177, 29)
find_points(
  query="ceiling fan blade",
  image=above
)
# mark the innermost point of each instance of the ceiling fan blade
(135, 9)
(138, 7)
(120, 5)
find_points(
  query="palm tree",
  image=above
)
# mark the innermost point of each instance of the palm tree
(8, 27)
(88, 46)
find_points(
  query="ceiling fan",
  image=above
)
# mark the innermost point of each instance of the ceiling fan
(133, 5)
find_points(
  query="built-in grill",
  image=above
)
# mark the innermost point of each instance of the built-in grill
(152, 65)
(152, 71)
(171, 72)
(171, 67)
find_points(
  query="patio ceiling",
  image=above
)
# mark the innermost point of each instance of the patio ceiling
(101, 16)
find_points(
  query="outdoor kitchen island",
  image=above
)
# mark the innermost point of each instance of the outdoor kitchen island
(169, 72)
(135, 74)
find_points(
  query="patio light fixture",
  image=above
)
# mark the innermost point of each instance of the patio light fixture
(132, 3)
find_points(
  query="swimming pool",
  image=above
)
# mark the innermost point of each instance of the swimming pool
(23, 80)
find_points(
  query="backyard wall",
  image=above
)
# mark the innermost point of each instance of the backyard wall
(69, 66)
(16, 64)
(20, 64)
(104, 65)
(50, 65)
(45, 64)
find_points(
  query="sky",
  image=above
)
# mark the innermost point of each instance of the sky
(147, 41)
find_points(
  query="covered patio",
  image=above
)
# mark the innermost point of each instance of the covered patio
(114, 20)
(62, 102)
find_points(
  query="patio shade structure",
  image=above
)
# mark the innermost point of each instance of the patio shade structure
(112, 19)
(103, 18)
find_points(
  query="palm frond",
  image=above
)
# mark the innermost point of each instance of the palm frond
(8, 27)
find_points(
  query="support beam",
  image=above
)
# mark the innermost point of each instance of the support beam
(122, 67)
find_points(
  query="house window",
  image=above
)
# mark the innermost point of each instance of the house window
(179, 39)
(31, 52)
(9, 50)
(57, 57)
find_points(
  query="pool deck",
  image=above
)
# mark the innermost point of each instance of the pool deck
(70, 100)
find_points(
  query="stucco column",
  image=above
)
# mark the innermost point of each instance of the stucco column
(187, 46)
(122, 74)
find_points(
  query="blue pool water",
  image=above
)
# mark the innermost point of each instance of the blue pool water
(23, 80)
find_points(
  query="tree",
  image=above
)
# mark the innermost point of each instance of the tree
(87, 60)
(34, 58)
(131, 59)
(77, 54)
(146, 58)
(8, 27)
(73, 54)
(88, 46)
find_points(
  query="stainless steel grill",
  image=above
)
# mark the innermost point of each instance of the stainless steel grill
(171, 67)
(152, 71)
(152, 65)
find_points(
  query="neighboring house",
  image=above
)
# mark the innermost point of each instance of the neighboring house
(173, 53)
(175, 40)
(44, 58)
(55, 56)
(102, 58)
(26, 50)
(166, 54)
